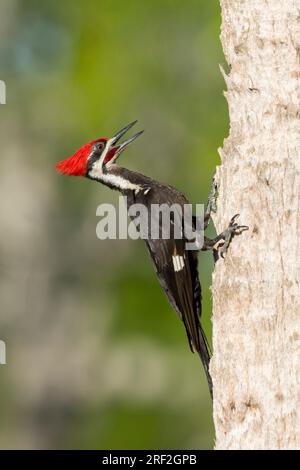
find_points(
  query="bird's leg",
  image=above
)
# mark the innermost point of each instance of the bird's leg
(211, 206)
(226, 237)
(211, 203)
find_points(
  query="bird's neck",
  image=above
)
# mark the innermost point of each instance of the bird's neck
(119, 178)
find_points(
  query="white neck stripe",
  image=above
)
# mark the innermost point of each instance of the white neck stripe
(117, 181)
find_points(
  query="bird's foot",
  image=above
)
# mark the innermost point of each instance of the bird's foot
(232, 230)
(219, 249)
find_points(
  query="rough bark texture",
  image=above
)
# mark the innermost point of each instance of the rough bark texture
(256, 301)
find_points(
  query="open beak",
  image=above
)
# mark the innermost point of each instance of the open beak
(118, 149)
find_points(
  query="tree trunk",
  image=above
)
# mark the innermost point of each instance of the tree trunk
(256, 298)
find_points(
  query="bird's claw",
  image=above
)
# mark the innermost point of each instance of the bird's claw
(233, 219)
(232, 230)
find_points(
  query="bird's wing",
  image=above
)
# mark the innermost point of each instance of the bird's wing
(178, 277)
(180, 282)
(176, 269)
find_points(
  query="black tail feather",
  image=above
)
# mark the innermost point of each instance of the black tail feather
(204, 353)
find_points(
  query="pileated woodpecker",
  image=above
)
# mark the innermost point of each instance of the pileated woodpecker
(175, 266)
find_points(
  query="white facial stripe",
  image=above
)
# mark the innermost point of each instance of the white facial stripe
(106, 150)
(96, 171)
(97, 167)
(178, 263)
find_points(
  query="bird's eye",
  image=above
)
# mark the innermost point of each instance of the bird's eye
(100, 146)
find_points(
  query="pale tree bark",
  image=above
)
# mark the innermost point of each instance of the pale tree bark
(256, 297)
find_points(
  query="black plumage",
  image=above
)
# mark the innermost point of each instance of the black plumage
(182, 287)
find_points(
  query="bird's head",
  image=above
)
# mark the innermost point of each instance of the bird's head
(94, 158)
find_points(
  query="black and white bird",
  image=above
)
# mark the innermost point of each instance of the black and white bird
(175, 266)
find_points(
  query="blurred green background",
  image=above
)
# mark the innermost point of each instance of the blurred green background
(96, 358)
